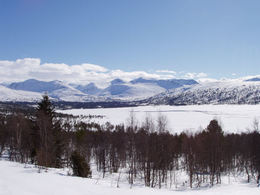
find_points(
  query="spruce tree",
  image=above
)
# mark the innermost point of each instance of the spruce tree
(45, 107)
(79, 165)
(50, 135)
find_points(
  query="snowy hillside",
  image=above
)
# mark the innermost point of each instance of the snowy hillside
(128, 91)
(220, 92)
(38, 86)
(166, 84)
(32, 90)
(7, 94)
(26, 180)
(55, 89)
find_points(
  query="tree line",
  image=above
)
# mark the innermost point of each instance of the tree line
(147, 152)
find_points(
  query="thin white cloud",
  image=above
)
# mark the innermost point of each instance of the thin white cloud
(206, 80)
(93, 67)
(193, 75)
(166, 71)
(132, 75)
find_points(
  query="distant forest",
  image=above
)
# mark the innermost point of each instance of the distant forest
(146, 153)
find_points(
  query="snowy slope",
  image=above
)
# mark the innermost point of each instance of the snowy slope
(38, 86)
(70, 95)
(7, 94)
(17, 179)
(220, 92)
(128, 91)
(166, 84)
(57, 90)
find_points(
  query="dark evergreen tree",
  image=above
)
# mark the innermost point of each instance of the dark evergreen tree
(45, 107)
(79, 165)
(50, 136)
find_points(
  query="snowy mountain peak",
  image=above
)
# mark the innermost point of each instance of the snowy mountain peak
(37, 86)
(90, 89)
(55, 89)
(117, 82)
(142, 80)
(166, 84)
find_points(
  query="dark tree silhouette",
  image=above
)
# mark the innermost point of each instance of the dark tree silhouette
(79, 165)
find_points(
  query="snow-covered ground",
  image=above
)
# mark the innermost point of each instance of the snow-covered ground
(233, 118)
(16, 178)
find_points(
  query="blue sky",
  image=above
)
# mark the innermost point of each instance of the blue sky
(215, 37)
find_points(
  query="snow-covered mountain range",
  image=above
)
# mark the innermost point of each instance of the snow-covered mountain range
(218, 92)
(148, 91)
(136, 89)
(31, 90)
(57, 90)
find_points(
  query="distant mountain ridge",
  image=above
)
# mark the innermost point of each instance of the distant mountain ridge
(118, 89)
(167, 84)
(135, 89)
(140, 91)
(37, 86)
(57, 90)
(90, 89)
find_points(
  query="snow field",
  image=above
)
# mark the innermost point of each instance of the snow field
(19, 179)
(233, 118)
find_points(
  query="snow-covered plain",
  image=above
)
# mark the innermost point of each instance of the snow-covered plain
(16, 178)
(233, 118)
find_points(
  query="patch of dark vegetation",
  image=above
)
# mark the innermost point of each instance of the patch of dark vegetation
(76, 105)
(29, 106)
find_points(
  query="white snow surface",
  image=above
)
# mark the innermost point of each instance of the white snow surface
(134, 91)
(7, 94)
(26, 180)
(64, 94)
(233, 118)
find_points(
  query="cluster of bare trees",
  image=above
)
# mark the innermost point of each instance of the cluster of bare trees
(147, 152)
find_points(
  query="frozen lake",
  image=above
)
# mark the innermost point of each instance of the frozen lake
(233, 118)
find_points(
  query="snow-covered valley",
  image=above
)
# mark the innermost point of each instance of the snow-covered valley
(233, 118)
